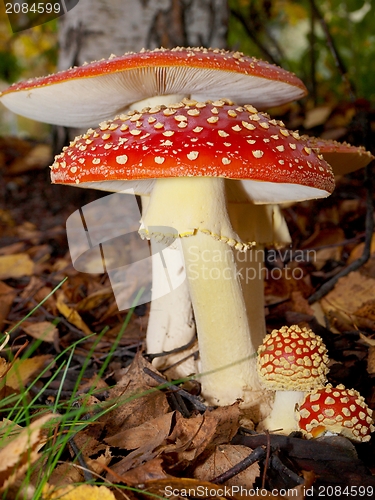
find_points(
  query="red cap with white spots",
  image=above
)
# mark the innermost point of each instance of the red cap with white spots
(213, 139)
(85, 95)
(336, 410)
(292, 359)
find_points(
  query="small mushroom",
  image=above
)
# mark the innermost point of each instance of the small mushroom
(335, 410)
(291, 362)
(181, 156)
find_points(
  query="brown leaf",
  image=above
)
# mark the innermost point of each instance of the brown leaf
(350, 303)
(146, 442)
(15, 266)
(43, 330)
(17, 455)
(151, 433)
(7, 296)
(191, 437)
(223, 458)
(371, 361)
(139, 400)
(149, 471)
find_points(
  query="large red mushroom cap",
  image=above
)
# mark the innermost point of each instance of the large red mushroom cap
(85, 95)
(212, 139)
(336, 410)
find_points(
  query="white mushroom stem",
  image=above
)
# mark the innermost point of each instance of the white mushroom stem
(283, 414)
(227, 354)
(171, 324)
(196, 208)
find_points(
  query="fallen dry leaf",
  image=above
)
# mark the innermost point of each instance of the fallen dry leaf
(192, 436)
(223, 458)
(371, 361)
(18, 455)
(71, 314)
(15, 266)
(7, 296)
(94, 300)
(150, 471)
(351, 302)
(43, 330)
(81, 492)
(21, 371)
(139, 400)
(147, 443)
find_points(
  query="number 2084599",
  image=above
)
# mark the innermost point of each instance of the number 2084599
(33, 8)
(343, 491)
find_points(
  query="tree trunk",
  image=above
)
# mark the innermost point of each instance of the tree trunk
(96, 28)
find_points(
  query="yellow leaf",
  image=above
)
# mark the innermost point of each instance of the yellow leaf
(81, 492)
(71, 314)
(15, 266)
(17, 456)
(22, 370)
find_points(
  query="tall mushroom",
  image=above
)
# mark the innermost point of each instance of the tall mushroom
(84, 96)
(189, 150)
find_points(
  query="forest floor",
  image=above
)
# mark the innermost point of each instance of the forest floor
(74, 377)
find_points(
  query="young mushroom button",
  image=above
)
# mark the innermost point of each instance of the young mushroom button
(335, 410)
(291, 362)
(188, 150)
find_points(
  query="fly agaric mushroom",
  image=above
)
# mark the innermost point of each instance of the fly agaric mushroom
(335, 410)
(85, 95)
(291, 362)
(188, 150)
(99, 90)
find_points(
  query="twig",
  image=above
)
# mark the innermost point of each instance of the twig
(369, 224)
(250, 32)
(278, 466)
(170, 386)
(333, 49)
(256, 455)
(266, 462)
